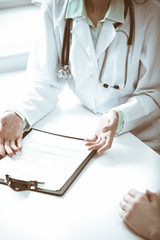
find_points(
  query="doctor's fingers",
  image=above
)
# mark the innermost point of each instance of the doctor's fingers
(107, 145)
(19, 143)
(2, 150)
(8, 148)
(109, 140)
(92, 140)
(97, 145)
(11, 147)
(14, 146)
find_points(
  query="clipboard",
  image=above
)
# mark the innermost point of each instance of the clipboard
(48, 163)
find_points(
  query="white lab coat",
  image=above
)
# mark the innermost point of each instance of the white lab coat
(139, 100)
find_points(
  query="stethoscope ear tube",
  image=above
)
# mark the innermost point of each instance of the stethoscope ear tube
(64, 71)
(66, 43)
(132, 23)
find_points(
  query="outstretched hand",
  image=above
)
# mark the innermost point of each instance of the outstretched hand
(11, 133)
(105, 132)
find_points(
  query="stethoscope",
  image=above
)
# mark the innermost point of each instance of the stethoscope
(64, 71)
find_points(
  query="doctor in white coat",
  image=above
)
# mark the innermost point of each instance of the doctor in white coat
(114, 60)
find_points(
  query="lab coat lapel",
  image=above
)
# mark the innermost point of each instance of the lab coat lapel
(81, 31)
(106, 37)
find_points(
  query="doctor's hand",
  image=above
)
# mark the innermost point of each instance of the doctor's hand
(105, 132)
(11, 133)
(141, 212)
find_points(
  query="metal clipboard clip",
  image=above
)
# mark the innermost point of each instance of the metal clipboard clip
(21, 185)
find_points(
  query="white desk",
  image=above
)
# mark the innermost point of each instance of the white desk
(90, 208)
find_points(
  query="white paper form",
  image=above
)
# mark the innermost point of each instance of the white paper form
(45, 158)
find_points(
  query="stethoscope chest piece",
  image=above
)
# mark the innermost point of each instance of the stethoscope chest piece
(64, 72)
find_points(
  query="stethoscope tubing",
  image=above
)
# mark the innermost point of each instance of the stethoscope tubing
(64, 72)
(105, 85)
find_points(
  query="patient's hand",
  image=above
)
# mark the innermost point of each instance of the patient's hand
(141, 212)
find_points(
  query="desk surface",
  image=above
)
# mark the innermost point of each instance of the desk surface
(90, 208)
